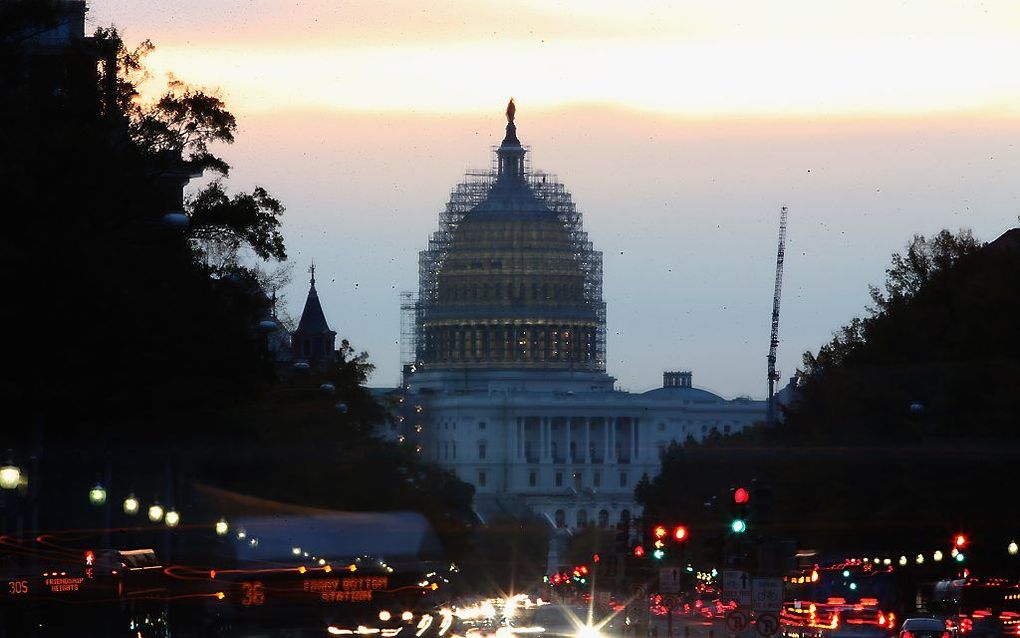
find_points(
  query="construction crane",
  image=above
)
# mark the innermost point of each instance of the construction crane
(774, 341)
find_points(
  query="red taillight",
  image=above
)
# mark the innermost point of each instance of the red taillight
(945, 634)
(906, 634)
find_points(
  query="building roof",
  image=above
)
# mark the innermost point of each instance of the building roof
(695, 395)
(313, 320)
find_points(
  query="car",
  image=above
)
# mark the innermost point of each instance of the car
(924, 628)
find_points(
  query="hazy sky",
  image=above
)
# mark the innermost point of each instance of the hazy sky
(680, 128)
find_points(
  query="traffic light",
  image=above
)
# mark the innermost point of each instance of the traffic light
(679, 533)
(659, 554)
(659, 532)
(639, 551)
(738, 526)
(741, 496)
(960, 541)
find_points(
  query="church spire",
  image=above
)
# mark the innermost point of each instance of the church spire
(313, 340)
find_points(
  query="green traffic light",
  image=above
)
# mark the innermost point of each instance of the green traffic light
(738, 526)
(658, 554)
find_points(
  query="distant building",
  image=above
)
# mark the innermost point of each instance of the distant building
(313, 342)
(508, 386)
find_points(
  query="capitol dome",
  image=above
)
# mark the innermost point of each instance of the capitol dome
(510, 281)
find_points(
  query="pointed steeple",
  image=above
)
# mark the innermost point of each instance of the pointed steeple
(313, 340)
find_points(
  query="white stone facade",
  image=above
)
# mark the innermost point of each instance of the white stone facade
(567, 445)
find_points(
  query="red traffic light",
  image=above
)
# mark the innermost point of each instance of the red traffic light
(595, 558)
(960, 541)
(639, 551)
(659, 531)
(740, 496)
(680, 533)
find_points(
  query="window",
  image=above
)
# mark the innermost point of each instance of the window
(596, 479)
(532, 479)
(561, 518)
(559, 479)
(481, 450)
(582, 518)
(453, 447)
(578, 481)
(726, 429)
(662, 427)
(623, 479)
(603, 518)
(482, 479)
(481, 425)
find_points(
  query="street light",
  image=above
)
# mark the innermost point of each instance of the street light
(10, 476)
(903, 561)
(1013, 548)
(131, 505)
(937, 555)
(97, 495)
(172, 518)
(156, 512)
(221, 527)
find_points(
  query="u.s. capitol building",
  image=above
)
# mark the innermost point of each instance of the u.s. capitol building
(508, 386)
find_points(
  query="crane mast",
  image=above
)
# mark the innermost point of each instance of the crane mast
(773, 376)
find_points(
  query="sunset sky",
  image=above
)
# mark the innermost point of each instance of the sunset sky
(680, 128)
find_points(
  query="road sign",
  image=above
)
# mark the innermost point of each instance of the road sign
(767, 594)
(669, 580)
(737, 586)
(737, 620)
(767, 624)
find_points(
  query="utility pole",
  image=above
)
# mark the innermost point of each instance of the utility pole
(773, 376)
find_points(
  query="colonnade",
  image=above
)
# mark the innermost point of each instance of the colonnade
(574, 440)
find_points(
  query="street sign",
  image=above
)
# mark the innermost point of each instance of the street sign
(737, 586)
(669, 580)
(766, 625)
(737, 620)
(767, 594)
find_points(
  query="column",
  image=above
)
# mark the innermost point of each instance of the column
(520, 440)
(569, 457)
(547, 438)
(631, 440)
(611, 449)
(587, 440)
(605, 439)
(637, 437)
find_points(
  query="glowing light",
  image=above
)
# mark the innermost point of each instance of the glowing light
(352, 567)
(903, 561)
(384, 615)
(295, 550)
(302, 569)
(920, 559)
(131, 505)
(738, 526)
(241, 534)
(887, 561)
(587, 631)
(10, 477)
(639, 551)
(960, 541)
(172, 518)
(97, 495)
(322, 561)
(660, 531)
(740, 496)
(327, 568)
(853, 586)
(814, 575)
(220, 595)
(846, 573)
(1013, 548)
(954, 552)
(222, 527)
(960, 557)
(407, 616)
(937, 555)
(680, 533)
(156, 512)
(658, 554)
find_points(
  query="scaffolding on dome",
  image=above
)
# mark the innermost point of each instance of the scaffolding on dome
(466, 195)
